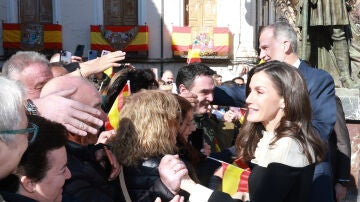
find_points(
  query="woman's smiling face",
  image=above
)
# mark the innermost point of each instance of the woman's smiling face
(264, 102)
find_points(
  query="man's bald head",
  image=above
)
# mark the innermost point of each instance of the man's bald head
(84, 89)
(85, 93)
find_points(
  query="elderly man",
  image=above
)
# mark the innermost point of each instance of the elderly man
(32, 70)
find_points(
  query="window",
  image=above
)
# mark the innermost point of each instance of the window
(120, 12)
(36, 11)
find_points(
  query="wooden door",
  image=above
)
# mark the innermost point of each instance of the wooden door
(120, 12)
(36, 11)
(201, 15)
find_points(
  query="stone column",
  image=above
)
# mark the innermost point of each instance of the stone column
(247, 36)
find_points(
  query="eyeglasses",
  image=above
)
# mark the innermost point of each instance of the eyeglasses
(32, 132)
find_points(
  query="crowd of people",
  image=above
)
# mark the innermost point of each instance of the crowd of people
(173, 134)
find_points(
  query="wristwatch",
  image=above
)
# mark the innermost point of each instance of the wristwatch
(31, 107)
(343, 182)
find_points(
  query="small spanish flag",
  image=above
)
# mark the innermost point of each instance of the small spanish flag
(109, 72)
(235, 176)
(193, 54)
(235, 179)
(113, 118)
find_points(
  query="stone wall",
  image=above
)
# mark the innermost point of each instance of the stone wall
(351, 101)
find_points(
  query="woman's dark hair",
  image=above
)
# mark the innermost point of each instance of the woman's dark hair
(34, 163)
(296, 122)
(188, 153)
(139, 79)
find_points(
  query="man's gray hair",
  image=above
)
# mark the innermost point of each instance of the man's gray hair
(11, 104)
(17, 62)
(283, 30)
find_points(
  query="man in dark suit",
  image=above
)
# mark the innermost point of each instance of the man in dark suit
(279, 42)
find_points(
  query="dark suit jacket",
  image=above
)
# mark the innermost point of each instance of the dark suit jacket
(321, 89)
(340, 147)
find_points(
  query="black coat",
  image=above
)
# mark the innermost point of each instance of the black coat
(143, 182)
(14, 197)
(89, 181)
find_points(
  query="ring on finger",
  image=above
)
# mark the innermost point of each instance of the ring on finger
(82, 126)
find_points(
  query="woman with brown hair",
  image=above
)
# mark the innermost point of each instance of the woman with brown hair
(149, 124)
(277, 138)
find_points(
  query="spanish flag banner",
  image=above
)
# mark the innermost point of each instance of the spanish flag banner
(133, 38)
(52, 36)
(181, 40)
(47, 36)
(213, 44)
(113, 119)
(221, 41)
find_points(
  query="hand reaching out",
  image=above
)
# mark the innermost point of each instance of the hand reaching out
(105, 135)
(101, 63)
(78, 118)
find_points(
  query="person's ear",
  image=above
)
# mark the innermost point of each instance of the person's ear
(286, 46)
(183, 89)
(28, 184)
(282, 103)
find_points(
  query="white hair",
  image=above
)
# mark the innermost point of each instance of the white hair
(11, 103)
(22, 59)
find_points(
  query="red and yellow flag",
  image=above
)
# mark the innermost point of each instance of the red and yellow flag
(235, 179)
(193, 55)
(12, 34)
(113, 118)
(139, 43)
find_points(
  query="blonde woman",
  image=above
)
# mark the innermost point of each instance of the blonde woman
(149, 123)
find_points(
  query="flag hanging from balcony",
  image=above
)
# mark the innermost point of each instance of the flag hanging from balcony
(32, 36)
(214, 43)
(181, 40)
(113, 118)
(125, 38)
(221, 41)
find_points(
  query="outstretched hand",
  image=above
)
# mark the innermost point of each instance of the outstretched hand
(105, 135)
(78, 118)
(102, 63)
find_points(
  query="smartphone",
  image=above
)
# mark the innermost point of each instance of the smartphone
(65, 56)
(104, 52)
(92, 54)
(79, 51)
